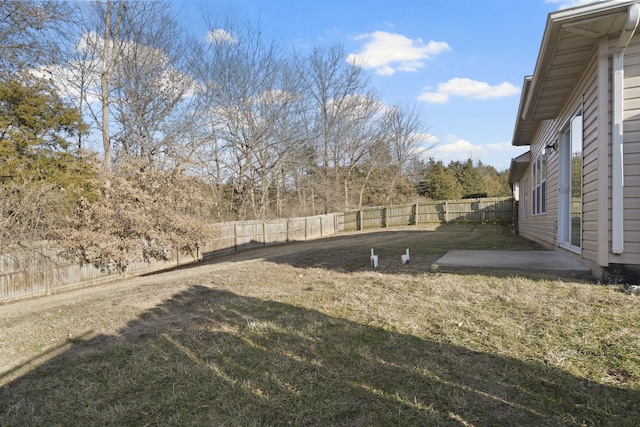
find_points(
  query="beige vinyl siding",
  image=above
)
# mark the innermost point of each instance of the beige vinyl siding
(590, 163)
(543, 228)
(631, 193)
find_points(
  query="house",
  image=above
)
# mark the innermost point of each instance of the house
(578, 186)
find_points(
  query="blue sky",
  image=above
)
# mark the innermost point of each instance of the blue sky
(462, 61)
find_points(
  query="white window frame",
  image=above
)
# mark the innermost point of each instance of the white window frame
(539, 184)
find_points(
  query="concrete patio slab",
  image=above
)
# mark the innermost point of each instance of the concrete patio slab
(538, 262)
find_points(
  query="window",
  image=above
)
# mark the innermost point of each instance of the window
(539, 184)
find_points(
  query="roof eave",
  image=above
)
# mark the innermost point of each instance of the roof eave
(518, 167)
(526, 87)
(565, 20)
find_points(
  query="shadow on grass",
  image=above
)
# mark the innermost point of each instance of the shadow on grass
(209, 357)
(351, 252)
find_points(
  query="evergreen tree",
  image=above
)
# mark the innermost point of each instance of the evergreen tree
(440, 183)
(472, 182)
(496, 183)
(34, 125)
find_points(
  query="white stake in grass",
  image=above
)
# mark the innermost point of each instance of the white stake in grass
(405, 257)
(374, 259)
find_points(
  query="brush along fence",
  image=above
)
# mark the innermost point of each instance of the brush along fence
(38, 269)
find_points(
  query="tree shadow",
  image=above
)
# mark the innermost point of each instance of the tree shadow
(347, 254)
(211, 357)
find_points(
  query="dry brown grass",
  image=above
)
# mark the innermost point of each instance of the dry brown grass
(310, 334)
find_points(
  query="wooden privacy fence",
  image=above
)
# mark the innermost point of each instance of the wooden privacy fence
(39, 270)
(486, 210)
(35, 271)
(238, 236)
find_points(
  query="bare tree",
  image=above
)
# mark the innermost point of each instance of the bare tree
(152, 87)
(95, 47)
(28, 30)
(405, 132)
(129, 75)
(361, 138)
(256, 113)
(332, 85)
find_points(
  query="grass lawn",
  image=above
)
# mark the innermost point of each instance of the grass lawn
(308, 334)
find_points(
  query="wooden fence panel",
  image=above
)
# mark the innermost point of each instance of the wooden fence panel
(224, 241)
(350, 221)
(275, 232)
(461, 211)
(499, 209)
(297, 229)
(372, 218)
(400, 215)
(430, 213)
(314, 227)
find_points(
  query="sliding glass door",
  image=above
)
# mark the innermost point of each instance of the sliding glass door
(570, 184)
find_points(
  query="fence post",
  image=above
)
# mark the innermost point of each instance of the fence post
(415, 214)
(385, 217)
(359, 225)
(444, 216)
(264, 233)
(48, 281)
(235, 237)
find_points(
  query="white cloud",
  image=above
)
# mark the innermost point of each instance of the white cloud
(469, 89)
(390, 52)
(426, 138)
(505, 147)
(456, 150)
(220, 36)
(87, 70)
(453, 149)
(434, 97)
(464, 148)
(426, 143)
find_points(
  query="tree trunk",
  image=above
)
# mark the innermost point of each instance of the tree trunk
(109, 58)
